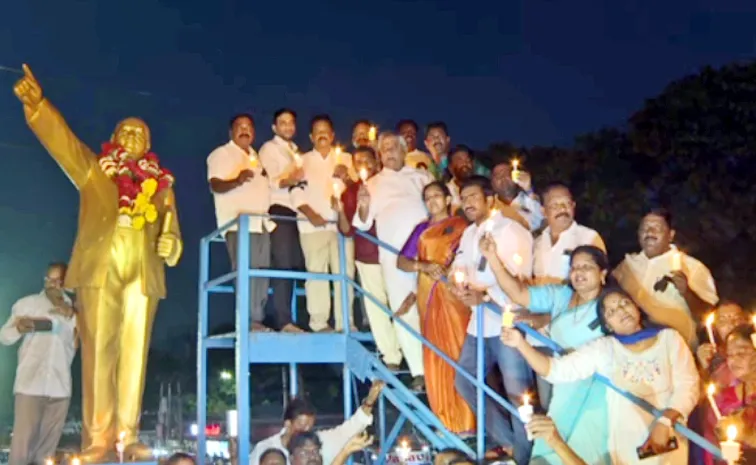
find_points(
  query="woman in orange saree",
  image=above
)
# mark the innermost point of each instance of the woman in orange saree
(429, 251)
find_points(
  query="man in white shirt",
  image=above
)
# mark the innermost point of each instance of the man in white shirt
(514, 247)
(283, 165)
(673, 288)
(552, 249)
(47, 324)
(240, 186)
(408, 129)
(393, 200)
(326, 174)
(515, 197)
(299, 417)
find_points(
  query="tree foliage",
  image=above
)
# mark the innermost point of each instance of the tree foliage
(691, 149)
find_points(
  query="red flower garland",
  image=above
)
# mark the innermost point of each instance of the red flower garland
(129, 174)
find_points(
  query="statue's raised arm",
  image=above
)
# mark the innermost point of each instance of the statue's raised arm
(75, 158)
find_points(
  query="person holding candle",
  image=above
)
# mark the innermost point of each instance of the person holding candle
(240, 186)
(676, 298)
(567, 313)
(326, 174)
(366, 260)
(511, 241)
(650, 362)
(283, 165)
(429, 252)
(392, 200)
(515, 198)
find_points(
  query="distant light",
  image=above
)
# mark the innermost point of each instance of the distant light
(226, 375)
(194, 429)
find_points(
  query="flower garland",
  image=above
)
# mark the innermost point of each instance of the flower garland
(137, 180)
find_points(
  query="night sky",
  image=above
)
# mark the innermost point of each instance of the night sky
(530, 72)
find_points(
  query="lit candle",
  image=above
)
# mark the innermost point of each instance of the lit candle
(253, 161)
(232, 423)
(372, 133)
(515, 169)
(297, 158)
(507, 317)
(711, 389)
(753, 336)
(75, 461)
(488, 228)
(730, 447)
(363, 174)
(676, 260)
(121, 446)
(403, 450)
(459, 277)
(337, 189)
(710, 328)
(526, 413)
(338, 155)
(49, 462)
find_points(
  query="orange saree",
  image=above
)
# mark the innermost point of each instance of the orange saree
(443, 320)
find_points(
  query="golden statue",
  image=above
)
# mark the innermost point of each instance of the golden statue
(128, 231)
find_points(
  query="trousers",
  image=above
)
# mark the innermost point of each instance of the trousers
(37, 425)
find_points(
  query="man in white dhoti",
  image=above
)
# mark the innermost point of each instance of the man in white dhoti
(393, 200)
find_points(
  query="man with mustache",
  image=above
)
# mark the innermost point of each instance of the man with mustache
(393, 200)
(551, 253)
(281, 161)
(673, 288)
(408, 129)
(361, 134)
(46, 324)
(515, 197)
(326, 171)
(240, 186)
(461, 167)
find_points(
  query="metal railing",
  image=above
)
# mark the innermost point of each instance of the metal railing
(242, 338)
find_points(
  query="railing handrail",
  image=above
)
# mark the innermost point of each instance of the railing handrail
(479, 384)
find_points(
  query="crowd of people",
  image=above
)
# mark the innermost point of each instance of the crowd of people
(468, 236)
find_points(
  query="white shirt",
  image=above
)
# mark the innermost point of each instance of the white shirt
(514, 246)
(279, 157)
(321, 186)
(333, 440)
(44, 358)
(551, 262)
(253, 196)
(638, 274)
(396, 206)
(530, 208)
(665, 375)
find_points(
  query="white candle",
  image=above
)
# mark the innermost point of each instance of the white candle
(337, 189)
(526, 413)
(507, 316)
(121, 446)
(730, 447)
(372, 133)
(338, 155)
(403, 450)
(459, 277)
(710, 328)
(515, 169)
(711, 389)
(232, 424)
(363, 174)
(676, 261)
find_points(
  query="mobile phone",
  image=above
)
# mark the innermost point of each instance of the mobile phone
(41, 326)
(644, 454)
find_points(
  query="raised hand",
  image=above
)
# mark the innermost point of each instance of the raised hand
(28, 90)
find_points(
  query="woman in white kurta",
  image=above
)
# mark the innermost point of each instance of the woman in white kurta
(651, 363)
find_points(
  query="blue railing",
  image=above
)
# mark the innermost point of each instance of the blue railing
(242, 340)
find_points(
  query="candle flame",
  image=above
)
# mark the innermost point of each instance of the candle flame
(732, 433)
(710, 319)
(526, 399)
(338, 150)
(75, 461)
(711, 389)
(404, 444)
(122, 435)
(49, 462)
(517, 259)
(372, 132)
(515, 164)
(753, 319)
(363, 174)
(459, 276)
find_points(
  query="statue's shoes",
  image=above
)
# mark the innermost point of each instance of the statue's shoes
(138, 452)
(96, 454)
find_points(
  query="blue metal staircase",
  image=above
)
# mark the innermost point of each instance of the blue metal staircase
(346, 348)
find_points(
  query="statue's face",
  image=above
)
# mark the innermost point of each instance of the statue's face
(133, 135)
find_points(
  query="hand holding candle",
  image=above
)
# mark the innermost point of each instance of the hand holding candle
(526, 413)
(677, 261)
(710, 328)
(507, 317)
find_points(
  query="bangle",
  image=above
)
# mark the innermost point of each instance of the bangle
(664, 421)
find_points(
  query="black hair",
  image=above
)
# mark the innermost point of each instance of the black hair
(321, 117)
(461, 148)
(238, 116)
(662, 212)
(179, 457)
(302, 438)
(439, 184)
(361, 121)
(366, 149)
(405, 122)
(461, 461)
(478, 181)
(597, 255)
(272, 451)
(600, 308)
(60, 265)
(554, 186)
(437, 125)
(298, 407)
(283, 111)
